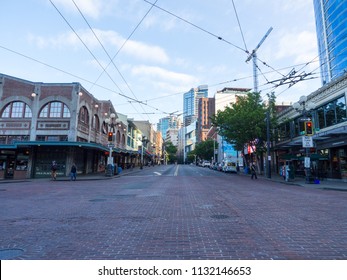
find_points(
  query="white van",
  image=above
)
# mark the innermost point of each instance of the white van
(229, 166)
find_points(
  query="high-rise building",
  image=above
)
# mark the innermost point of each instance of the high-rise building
(331, 26)
(169, 122)
(190, 103)
(206, 111)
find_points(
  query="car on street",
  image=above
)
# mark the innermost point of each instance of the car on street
(229, 166)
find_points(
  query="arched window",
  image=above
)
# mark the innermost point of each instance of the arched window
(96, 123)
(83, 115)
(17, 109)
(55, 109)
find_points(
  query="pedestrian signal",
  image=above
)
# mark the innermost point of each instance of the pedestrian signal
(110, 136)
(308, 128)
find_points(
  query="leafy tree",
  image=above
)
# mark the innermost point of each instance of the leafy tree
(204, 149)
(191, 156)
(243, 122)
(171, 150)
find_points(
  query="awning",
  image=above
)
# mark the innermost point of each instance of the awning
(23, 144)
(295, 157)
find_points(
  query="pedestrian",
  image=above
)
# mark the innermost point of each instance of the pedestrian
(73, 172)
(54, 168)
(253, 171)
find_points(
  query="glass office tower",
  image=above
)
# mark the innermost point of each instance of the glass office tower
(331, 26)
(190, 103)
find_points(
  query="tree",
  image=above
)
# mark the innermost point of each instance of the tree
(243, 122)
(205, 149)
(171, 150)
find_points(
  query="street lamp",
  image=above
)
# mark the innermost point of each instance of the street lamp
(304, 108)
(144, 141)
(111, 122)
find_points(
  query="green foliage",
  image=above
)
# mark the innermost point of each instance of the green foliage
(171, 150)
(244, 121)
(204, 149)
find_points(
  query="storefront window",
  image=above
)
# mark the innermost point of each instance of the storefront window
(332, 113)
(341, 110)
(22, 162)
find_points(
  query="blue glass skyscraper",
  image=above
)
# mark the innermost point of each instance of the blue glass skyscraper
(331, 26)
(190, 103)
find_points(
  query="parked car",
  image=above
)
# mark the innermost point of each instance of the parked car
(205, 163)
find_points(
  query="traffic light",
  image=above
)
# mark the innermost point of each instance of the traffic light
(110, 136)
(308, 128)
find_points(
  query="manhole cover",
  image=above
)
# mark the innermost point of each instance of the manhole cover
(97, 200)
(8, 254)
(219, 216)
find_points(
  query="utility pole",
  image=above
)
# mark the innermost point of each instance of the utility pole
(253, 55)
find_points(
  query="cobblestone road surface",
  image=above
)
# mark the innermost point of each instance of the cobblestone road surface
(154, 214)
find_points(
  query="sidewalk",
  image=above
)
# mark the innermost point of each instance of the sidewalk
(330, 184)
(80, 177)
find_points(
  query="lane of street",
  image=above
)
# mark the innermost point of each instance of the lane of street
(171, 212)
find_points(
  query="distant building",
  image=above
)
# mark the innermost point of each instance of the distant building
(206, 109)
(331, 26)
(227, 96)
(169, 122)
(190, 103)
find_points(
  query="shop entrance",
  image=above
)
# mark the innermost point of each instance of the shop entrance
(10, 166)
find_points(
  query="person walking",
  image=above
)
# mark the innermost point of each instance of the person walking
(54, 168)
(253, 171)
(73, 172)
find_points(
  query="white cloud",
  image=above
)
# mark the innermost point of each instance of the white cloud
(160, 75)
(90, 8)
(302, 46)
(135, 49)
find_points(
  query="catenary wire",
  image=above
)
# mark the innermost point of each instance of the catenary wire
(111, 59)
(196, 26)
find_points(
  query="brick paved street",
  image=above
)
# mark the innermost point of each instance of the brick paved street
(153, 214)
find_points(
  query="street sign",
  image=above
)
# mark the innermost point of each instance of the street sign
(307, 142)
(304, 119)
(110, 145)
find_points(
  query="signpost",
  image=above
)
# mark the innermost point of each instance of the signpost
(307, 142)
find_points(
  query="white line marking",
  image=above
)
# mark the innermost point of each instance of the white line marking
(176, 171)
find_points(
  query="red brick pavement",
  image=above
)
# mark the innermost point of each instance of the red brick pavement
(171, 217)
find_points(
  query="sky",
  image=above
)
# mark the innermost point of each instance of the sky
(144, 57)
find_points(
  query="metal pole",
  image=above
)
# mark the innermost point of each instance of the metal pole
(268, 144)
(142, 155)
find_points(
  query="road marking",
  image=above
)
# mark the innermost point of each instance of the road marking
(157, 173)
(176, 171)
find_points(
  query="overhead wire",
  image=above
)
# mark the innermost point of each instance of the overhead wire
(78, 77)
(238, 21)
(111, 59)
(196, 26)
(96, 59)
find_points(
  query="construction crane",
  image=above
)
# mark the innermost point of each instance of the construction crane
(253, 55)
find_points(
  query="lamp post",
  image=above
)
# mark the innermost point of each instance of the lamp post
(304, 108)
(111, 122)
(144, 141)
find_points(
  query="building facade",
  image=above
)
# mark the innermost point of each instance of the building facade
(329, 116)
(42, 122)
(331, 26)
(206, 109)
